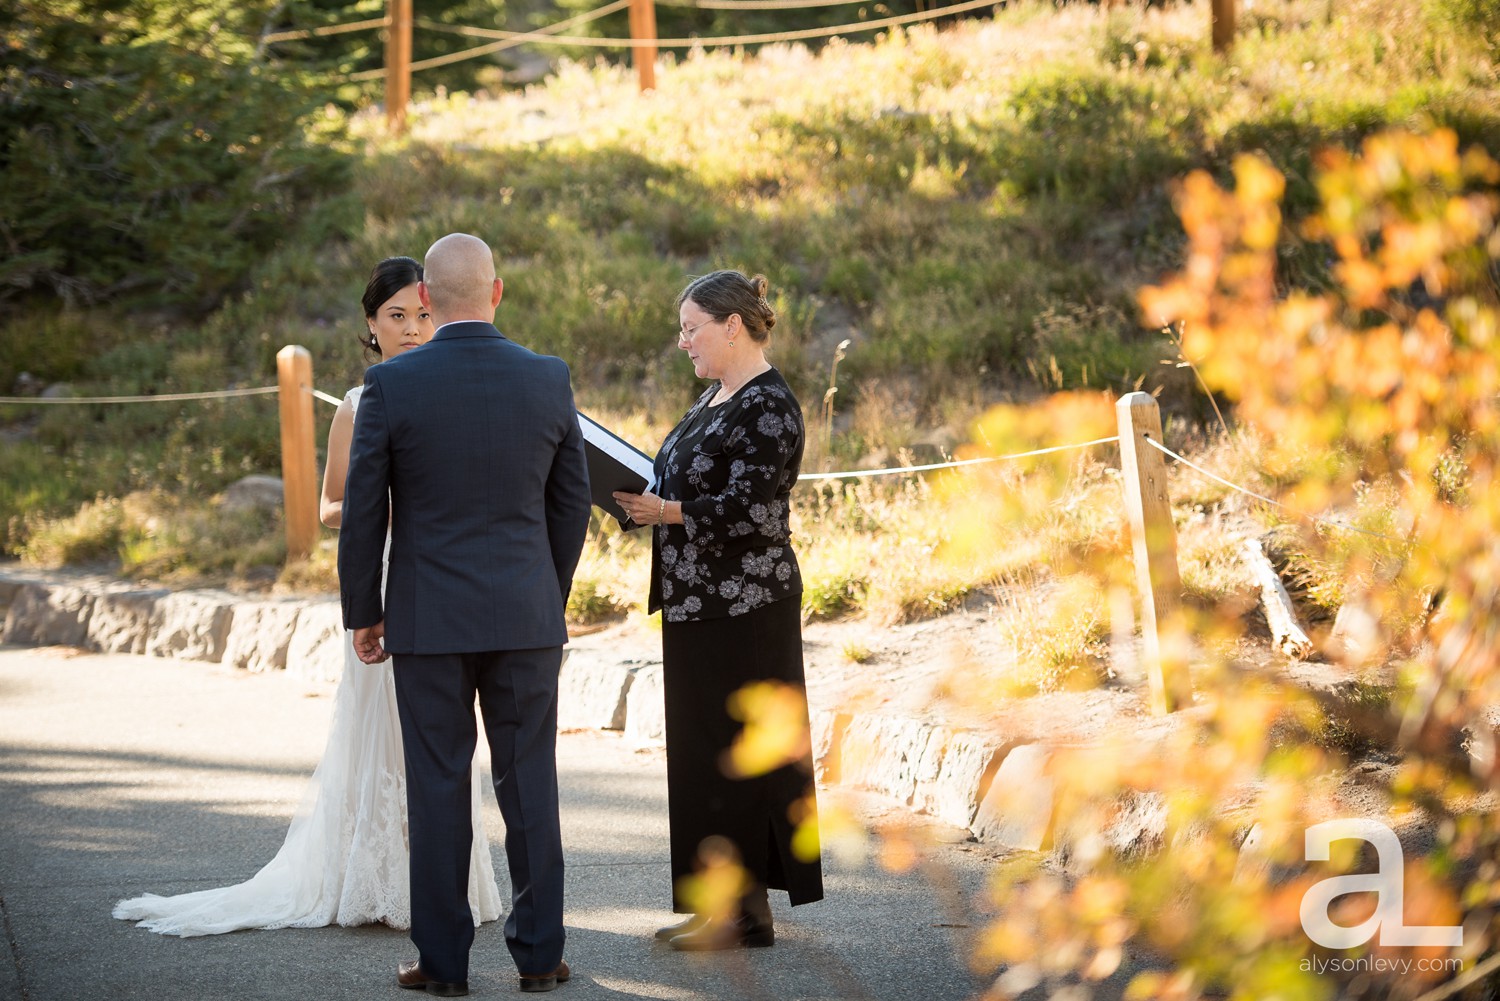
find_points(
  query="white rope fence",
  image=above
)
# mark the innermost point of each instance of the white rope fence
(326, 30)
(1315, 519)
(224, 394)
(757, 4)
(893, 470)
(552, 32)
(384, 22)
(508, 39)
(547, 35)
(218, 394)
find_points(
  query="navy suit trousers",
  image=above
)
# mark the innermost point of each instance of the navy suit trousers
(517, 692)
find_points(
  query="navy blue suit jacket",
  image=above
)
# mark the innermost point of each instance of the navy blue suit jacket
(469, 448)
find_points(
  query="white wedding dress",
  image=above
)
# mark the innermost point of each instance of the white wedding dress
(345, 856)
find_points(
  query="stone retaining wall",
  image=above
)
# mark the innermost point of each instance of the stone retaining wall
(1000, 792)
(302, 636)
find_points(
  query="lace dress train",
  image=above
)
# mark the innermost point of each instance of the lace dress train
(345, 856)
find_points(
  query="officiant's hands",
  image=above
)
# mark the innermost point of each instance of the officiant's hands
(367, 646)
(649, 509)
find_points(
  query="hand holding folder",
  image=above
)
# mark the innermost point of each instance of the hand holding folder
(614, 464)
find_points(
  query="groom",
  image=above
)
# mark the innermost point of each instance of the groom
(468, 448)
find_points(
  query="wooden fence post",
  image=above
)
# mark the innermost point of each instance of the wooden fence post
(397, 64)
(299, 464)
(643, 26)
(1223, 24)
(1143, 471)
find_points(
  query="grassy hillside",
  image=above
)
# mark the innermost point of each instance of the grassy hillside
(972, 209)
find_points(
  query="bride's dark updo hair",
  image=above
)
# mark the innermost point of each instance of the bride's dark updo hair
(389, 277)
(720, 293)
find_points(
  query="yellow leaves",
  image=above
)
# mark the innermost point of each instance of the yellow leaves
(1021, 513)
(775, 732)
(1154, 986)
(807, 833)
(1401, 212)
(1227, 285)
(1104, 963)
(1326, 372)
(1378, 398)
(899, 849)
(1363, 280)
(1100, 898)
(1258, 190)
(1001, 943)
(715, 889)
(1056, 419)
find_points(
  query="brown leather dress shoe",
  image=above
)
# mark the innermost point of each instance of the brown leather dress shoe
(409, 975)
(743, 932)
(539, 983)
(693, 923)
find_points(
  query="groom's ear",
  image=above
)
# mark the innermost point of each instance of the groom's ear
(424, 296)
(497, 292)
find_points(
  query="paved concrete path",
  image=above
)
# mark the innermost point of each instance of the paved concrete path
(123, 774)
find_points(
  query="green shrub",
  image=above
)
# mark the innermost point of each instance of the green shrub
(147, 151)
(162, 537)
(1479, 16)
(94, 533)
(854, 279)
(589, 603)
(170, 539)
(36, 485)
(833, 596)
(857, 653)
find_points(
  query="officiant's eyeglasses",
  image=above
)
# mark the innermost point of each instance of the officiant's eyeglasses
(687, 332)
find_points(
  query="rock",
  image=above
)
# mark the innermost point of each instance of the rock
(883, 753)
(1355, 639)
(525, 68)
(1017, 809)
(57, 391)
(316, 649)
(26, 384)
(254, 493)
(828, 730)
(645, 711)
(1139, 825)
(121, 620)
(592, 692)
(259, 635)
(8, 590)
(954, 775)
(192, 625)
(1254, 863)
(41, 615)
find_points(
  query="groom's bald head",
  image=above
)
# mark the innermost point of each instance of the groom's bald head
(459, 280)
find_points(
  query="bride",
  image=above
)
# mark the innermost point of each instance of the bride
(345, 856)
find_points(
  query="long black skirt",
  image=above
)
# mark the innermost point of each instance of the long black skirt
(703, 663)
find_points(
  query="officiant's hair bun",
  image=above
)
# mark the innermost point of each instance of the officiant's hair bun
(389, 277)
(720, 293)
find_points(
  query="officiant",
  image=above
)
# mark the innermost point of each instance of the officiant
(725, 576)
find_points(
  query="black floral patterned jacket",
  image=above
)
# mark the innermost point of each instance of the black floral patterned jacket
(733, 468)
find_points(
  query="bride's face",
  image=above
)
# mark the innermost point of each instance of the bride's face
(401, 323)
